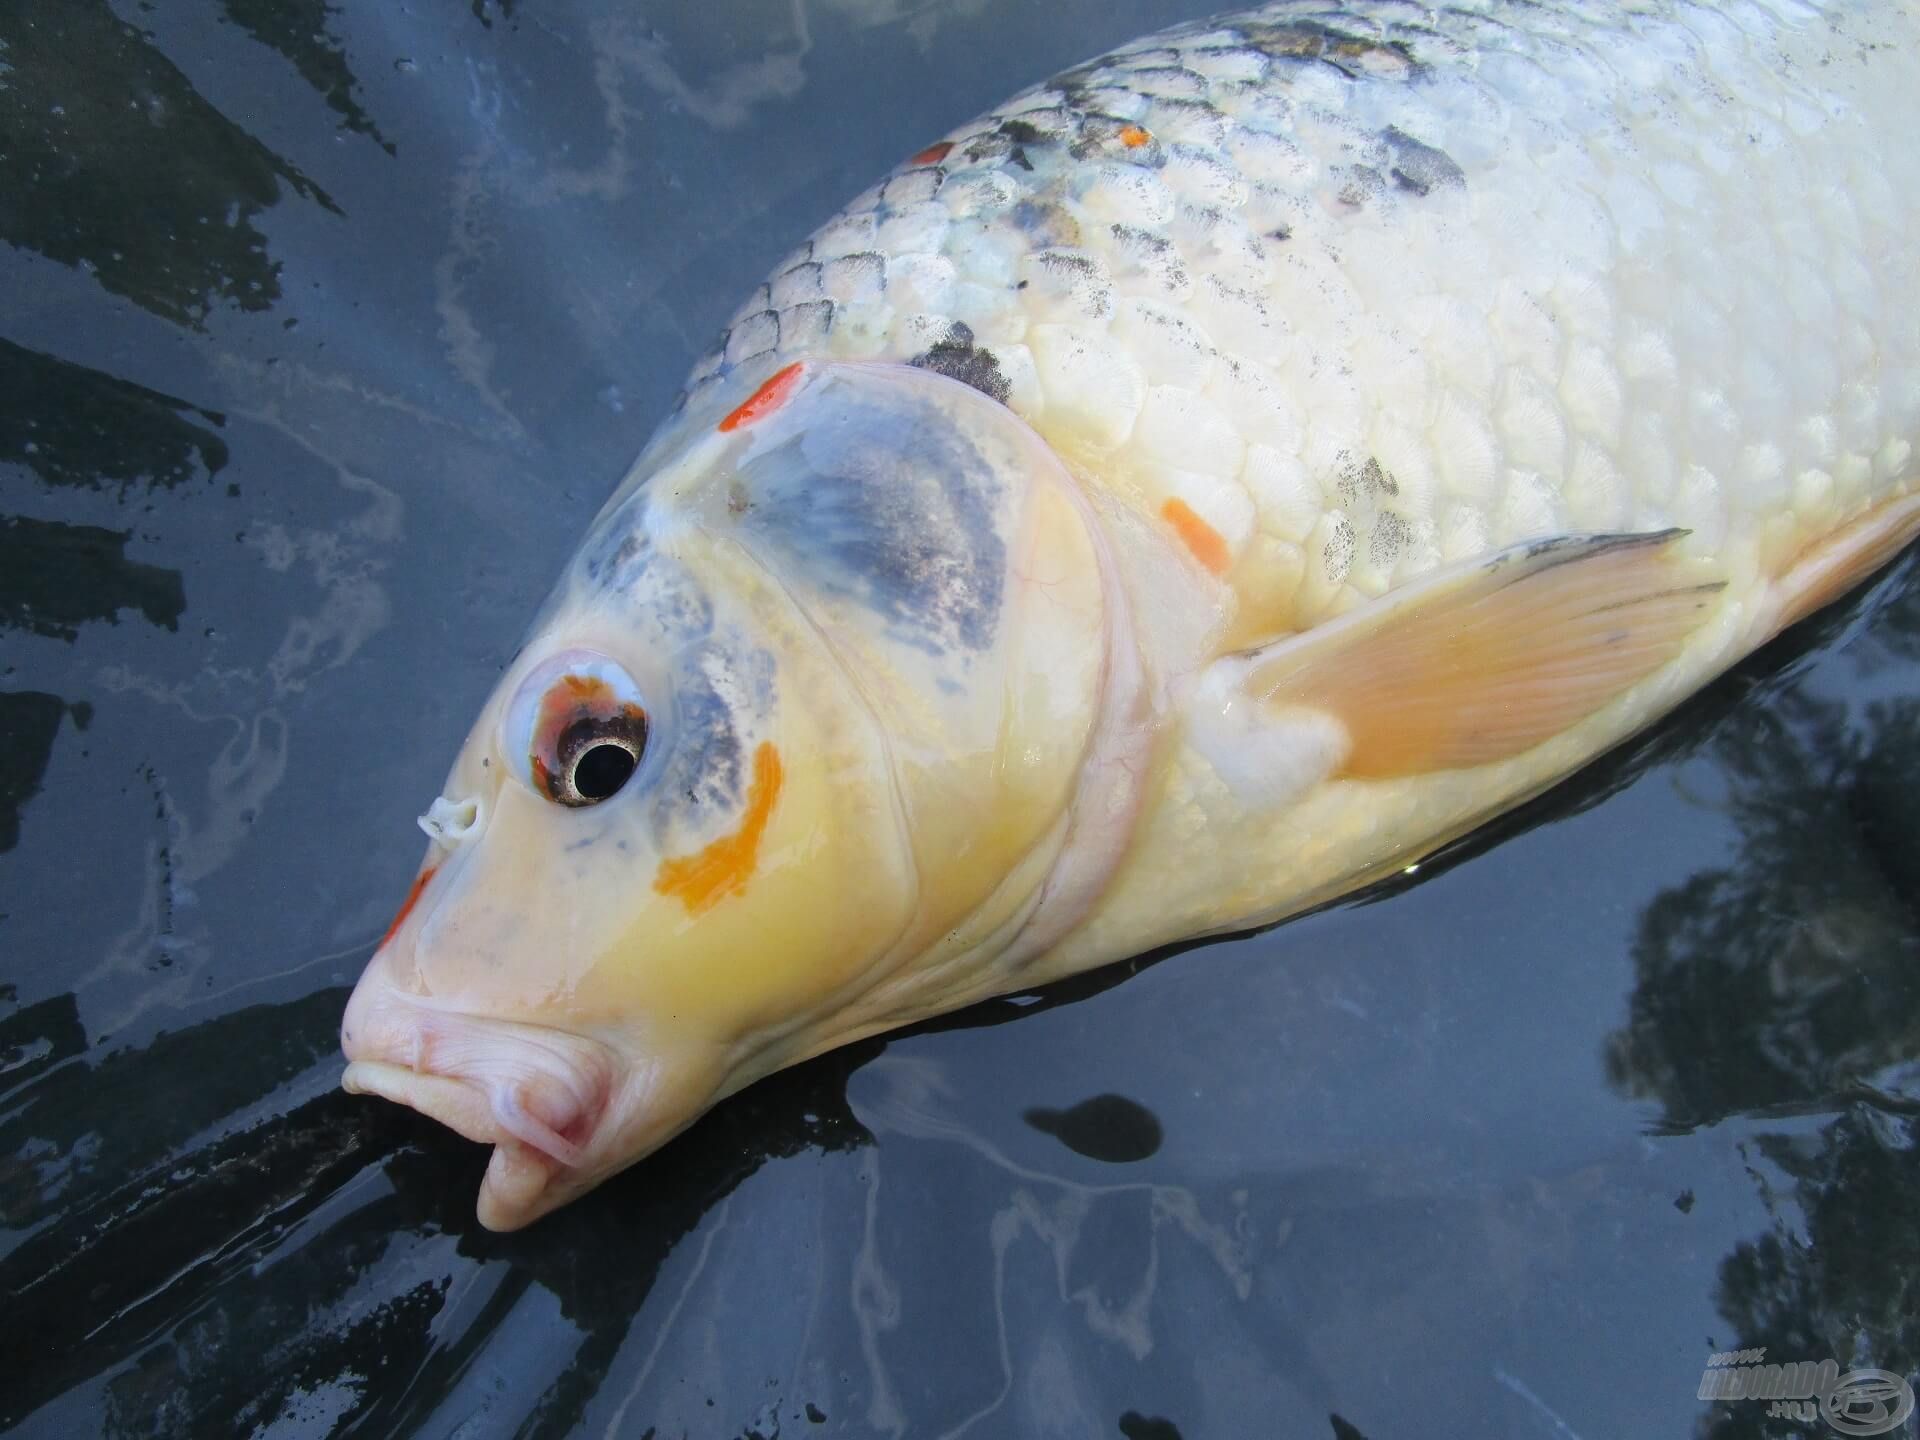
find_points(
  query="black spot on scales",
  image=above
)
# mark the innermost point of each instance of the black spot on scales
(1354, 56)
(1392, 535)
(1358, 185)
(1337, 553)
(1419, 167)
(1365, 483)
(958, 358)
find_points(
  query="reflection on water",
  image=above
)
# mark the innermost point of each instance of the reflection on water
(59, 576)
(114, 162)
(327, 325)
(73, 426)
(298, 30)
(1791, 974)
(1786, 982)
(214, 1192)
(29, 719)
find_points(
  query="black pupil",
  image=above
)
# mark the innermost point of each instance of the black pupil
(601, 770)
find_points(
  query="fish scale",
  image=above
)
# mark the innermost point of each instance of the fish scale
(1363, 296)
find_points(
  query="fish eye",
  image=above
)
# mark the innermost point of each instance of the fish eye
(575, 731)
(604, 764)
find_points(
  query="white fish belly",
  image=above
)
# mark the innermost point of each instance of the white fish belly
(1363, 297)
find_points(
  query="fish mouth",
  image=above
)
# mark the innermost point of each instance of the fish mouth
(541, 1097)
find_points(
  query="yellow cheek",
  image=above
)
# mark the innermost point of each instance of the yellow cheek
(727, 866)
(766, 923)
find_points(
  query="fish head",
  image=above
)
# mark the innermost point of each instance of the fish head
(788, 752)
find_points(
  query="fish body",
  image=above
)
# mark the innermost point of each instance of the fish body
(1210, 481)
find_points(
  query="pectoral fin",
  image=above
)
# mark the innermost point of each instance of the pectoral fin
(1479, 663)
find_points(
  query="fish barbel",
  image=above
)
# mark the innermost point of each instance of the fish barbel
(1207, 483)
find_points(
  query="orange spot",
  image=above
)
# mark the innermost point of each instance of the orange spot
(406, 906)
(764, 401)
(1133, 137)
(725, 866)
(933, 154)
(1200, 537)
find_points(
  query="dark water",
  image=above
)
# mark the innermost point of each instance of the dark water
(324, 328)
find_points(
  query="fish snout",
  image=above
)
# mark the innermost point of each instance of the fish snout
(541, 1096)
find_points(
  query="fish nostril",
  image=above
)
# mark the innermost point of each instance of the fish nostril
(450, 823)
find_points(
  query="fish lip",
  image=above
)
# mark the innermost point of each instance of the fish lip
(588, 1112)
(534, 1087)
(457, 1104)
(522, 1182)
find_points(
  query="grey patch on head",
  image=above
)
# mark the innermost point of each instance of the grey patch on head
(665, 608)
(718, 690)
(615, 556)
(1392, 534)
(896, 509)
(958, 358)
(1419, 167)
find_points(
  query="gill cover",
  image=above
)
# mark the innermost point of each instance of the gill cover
(951, 567)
